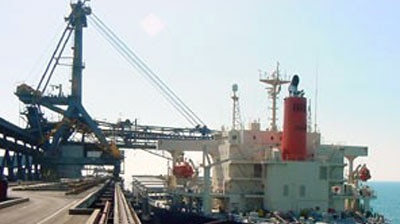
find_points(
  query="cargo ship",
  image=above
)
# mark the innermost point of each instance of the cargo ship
(262, 176)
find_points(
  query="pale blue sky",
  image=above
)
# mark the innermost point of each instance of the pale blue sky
(206, 46)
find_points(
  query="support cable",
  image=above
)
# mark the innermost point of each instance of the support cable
(56, 61)
(138, 67)
(63, 41)
(141, 66)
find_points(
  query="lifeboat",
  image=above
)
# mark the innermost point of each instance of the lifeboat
(183, 170)
(364, 174)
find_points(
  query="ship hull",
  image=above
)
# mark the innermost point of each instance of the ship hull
(164, 216)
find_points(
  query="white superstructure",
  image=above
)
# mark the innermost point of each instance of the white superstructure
(244, 171)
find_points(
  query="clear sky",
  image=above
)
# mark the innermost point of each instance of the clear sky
(200, 48)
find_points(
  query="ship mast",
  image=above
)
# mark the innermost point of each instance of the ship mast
(274, 82)
(236, 118)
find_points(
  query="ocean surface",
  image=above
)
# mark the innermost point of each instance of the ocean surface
(388, 201)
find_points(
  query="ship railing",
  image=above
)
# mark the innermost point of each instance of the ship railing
(348, 190)
(123, 211)
(345, 190)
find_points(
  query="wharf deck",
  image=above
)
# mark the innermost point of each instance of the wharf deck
(43, 207)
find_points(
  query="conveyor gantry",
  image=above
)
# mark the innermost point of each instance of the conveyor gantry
(21, 153)
(63, 146)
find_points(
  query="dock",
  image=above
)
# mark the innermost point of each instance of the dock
(103, 203)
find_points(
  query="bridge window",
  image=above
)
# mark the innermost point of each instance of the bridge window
(323, 173)
(257, 170)
(286, 190)
(302, 191)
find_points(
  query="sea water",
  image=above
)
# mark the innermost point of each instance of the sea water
(388, 201)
